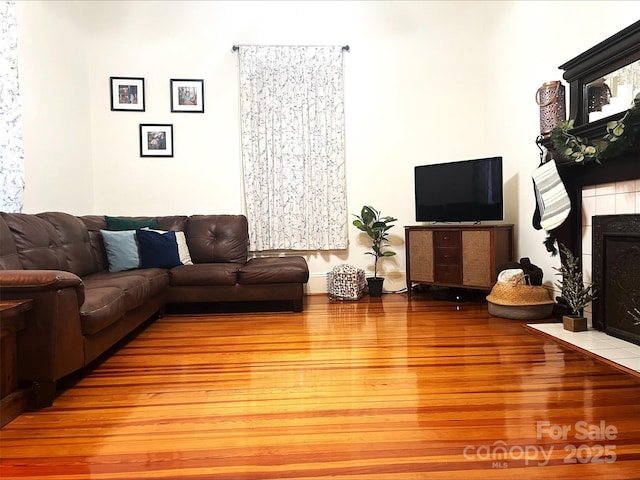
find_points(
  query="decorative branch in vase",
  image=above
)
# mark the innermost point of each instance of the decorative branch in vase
(573, 291)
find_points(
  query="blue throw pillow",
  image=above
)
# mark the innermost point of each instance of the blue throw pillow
(122, 249)
(158, 250)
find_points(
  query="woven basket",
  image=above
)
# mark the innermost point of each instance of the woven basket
(519, 302)
(508, 294)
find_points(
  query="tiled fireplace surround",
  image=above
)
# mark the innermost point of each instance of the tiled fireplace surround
(604, 199)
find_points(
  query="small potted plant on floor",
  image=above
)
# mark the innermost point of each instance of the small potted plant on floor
(573, 291)
(376, 227)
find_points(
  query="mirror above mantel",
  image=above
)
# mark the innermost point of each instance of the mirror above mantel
(612, 93)
(603, 81)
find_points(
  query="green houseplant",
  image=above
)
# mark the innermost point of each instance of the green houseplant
(371, 222)
(573, 290)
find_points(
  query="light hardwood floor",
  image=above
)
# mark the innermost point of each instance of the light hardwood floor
(374, 389)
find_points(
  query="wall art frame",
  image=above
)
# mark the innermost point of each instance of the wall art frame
(156, 140)
(187, 95)
(127, 94)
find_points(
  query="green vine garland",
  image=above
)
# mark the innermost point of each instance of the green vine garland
(620, 136)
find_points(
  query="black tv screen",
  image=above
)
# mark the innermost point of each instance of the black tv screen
(464, 191)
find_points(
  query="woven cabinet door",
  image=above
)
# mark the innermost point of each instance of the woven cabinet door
(421, 258)
(476, 254)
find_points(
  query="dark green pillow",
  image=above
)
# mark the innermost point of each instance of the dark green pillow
(118, 223)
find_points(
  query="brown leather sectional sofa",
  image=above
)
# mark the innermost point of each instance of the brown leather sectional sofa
(81, 308)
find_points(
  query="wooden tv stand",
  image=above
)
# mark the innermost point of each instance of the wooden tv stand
(463, 256)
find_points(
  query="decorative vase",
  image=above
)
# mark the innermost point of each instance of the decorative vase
(574, 323)
(375, 286)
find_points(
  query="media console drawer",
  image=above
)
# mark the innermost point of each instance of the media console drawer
(448, 274)
(447, 238)
(448, 256)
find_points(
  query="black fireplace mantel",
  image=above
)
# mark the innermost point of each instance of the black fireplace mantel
(615, 52)
(619, 50)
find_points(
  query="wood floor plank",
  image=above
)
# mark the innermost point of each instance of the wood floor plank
(374, 389)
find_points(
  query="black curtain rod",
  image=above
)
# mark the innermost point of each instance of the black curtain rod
(345, 48)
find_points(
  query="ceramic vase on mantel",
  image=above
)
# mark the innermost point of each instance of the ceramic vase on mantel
(574, 323)
(375, 286)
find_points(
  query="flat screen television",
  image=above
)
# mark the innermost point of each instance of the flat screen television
(463, 191)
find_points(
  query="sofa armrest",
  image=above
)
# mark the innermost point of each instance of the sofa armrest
(25, 282)
(51, 344)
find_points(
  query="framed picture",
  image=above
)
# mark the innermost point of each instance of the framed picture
(187, 95)
(127, 94)
(156, 140)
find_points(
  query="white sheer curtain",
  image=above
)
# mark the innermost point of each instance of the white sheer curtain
(292, 115)
(11, 147)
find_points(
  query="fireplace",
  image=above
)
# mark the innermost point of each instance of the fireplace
(616, 273)
(605, 231)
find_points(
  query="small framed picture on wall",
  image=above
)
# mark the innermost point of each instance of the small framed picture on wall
(187, 95)
(156, 140)
(127, 94)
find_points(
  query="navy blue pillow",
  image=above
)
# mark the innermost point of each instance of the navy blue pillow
(159, 250)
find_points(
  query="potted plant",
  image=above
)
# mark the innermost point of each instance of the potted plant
(573, 291)
(376, 227)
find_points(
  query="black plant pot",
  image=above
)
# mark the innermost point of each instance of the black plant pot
(375, 286)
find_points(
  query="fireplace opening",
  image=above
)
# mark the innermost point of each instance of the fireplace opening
(616, 273)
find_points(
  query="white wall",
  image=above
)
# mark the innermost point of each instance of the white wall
(426, 82)
(54, 89)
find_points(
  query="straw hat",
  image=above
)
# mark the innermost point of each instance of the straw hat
(519, 302)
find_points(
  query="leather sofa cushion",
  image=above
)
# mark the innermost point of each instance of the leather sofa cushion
(102, 307)
(177, 223)
(218, 238)
(136, 288)
(110, 295)
(9, 259)
(74, 237)
(37, 242)
(274, 270)
(158, 279)
(94, 222)
(99, 252)
(204, 274)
